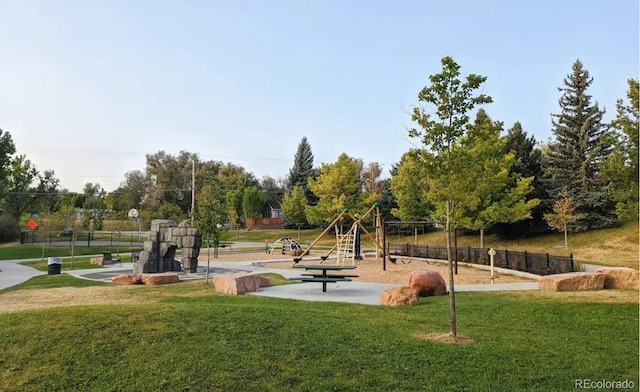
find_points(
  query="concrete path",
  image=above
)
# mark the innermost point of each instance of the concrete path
(349, 292)
(12, 273)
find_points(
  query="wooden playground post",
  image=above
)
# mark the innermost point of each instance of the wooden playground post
(306, 251)
(365, 231)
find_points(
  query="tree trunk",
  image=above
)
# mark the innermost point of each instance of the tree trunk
(452, 295)
(566, 240)
(482, 237)
(206, 278)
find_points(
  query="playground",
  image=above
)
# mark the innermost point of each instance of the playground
(370, 270)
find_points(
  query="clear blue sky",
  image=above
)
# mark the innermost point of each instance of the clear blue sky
(87, 88)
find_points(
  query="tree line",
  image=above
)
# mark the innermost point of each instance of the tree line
(468, 171)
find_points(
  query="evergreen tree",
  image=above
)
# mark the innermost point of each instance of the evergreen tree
(622, 167)
(302, 171)
(528, 164)
(572, 161)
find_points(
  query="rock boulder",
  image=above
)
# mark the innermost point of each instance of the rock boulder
(573, 281)
(427, 283)
(161, 278)
(399, 296)
(621, 278)
(127, 279)
(239, 283)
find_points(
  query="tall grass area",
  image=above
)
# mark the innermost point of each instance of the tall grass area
(248, 343)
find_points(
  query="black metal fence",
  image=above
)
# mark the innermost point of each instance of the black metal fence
(82, 238)
(535, 263)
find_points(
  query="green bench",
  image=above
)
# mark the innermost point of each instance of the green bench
(106, 256)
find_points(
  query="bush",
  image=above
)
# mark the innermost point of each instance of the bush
(9, 230)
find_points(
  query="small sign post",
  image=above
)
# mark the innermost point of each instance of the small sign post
(492, 253)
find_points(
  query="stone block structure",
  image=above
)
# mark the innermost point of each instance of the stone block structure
(165, 238)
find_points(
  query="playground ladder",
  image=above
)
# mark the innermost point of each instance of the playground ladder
(346, 246)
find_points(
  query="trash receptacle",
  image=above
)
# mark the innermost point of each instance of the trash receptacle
(54, 265)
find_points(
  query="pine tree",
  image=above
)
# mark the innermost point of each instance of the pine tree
(571, 162)
(528, 164)
(302, 171)
(622, 167)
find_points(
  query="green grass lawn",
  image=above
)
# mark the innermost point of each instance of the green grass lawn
(53, 281)
(78, 263)
(15, 251)
(246, 343)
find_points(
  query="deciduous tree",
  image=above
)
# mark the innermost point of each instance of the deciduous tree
(563, 216)
(489, 197)
(210, 213)
(293, 207)
(253, 202)
(7, 149)
(440, 128)
(410, 193)
(337, 186)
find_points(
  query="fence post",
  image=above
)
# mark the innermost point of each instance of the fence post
(506, 259)
(526, 264)
(571, 259)
(427, 251)
(548, 265)
(89, 239)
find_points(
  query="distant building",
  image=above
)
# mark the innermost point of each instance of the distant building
(275, 209)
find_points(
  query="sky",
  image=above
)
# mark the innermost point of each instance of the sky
(89, 87)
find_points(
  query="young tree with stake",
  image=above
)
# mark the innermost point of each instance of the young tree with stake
(439, 132)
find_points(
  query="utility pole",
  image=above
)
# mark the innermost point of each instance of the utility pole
(193, 190)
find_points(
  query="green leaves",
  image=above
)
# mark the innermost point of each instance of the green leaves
(338, 186)
(253, 202)
(452, 100)
(294, 205)
(411, 195)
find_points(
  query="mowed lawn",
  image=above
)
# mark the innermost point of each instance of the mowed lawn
(184, 337)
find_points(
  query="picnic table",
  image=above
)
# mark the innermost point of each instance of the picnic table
(324, 277)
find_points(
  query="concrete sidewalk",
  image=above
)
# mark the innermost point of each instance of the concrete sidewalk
(12, 273)
(349, 292)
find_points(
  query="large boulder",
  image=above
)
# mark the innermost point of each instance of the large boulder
(621, 278)
(573, 281)
(161, 278)
(239, 283)
(127, 279)
(399, 296)
(99, 261)
(427, 283)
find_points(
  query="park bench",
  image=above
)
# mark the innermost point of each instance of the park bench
(106, 256)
